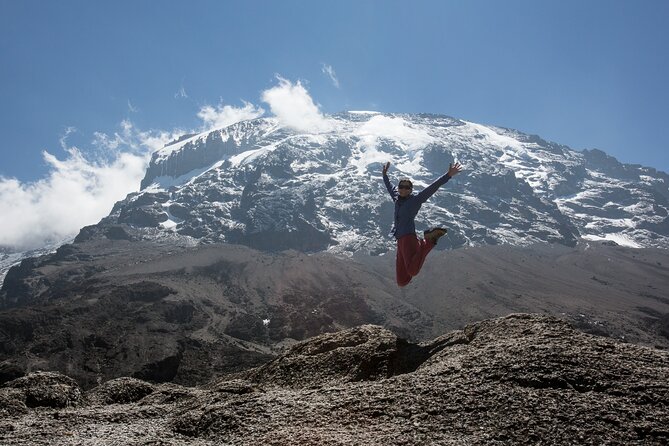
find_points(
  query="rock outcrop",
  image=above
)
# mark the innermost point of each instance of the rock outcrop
(41, 389)
(520, 379)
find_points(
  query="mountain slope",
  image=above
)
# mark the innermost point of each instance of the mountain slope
(270, 187)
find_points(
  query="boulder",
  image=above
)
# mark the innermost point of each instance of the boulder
(47, 389)
(120, 391)
(363, 353)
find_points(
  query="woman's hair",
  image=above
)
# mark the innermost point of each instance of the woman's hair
(405, 180)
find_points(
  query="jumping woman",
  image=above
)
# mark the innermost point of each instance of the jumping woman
(411, 250)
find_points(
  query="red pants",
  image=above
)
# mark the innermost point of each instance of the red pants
(411, 253)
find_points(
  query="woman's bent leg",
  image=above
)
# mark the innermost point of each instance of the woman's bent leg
(403, 277)
(411, 254)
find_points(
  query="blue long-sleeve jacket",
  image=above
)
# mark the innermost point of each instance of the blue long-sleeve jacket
(407, 208)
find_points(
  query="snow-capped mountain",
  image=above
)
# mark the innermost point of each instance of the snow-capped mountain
(266, 185)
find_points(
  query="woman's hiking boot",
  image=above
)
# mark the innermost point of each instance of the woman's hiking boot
(434, 234)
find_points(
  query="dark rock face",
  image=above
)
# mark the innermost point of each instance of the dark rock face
(14, 288)
(521, 379)
(9, 372)
(110, 232)
(143, 216)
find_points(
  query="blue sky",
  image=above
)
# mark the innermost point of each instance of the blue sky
(588, 74)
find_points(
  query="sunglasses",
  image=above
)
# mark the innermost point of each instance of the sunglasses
(404, 186)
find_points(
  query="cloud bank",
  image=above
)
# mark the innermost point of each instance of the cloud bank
(78, 190)
(76, 193)
(293, 106)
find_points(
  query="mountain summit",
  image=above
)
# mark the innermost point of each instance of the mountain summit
(271, 187)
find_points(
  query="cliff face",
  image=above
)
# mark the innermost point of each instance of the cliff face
(521, 379)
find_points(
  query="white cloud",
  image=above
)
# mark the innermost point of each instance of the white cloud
(327, 69)
(225, 115)
(78, 190)
(131, 107)
(293, 106)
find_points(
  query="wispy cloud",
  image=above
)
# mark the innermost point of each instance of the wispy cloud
(294, 107)
(78, 190)
(330, 72)
(129, 138)
(131, 107)
(225, 115)
(63, 138)
(181, 93)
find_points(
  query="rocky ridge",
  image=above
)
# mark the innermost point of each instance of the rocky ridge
(520, 379)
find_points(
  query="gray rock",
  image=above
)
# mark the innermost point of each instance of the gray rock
(362, 353)
(47, 389)
(12, 402)
(168, 394)
(143, 216)
(120, 390)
